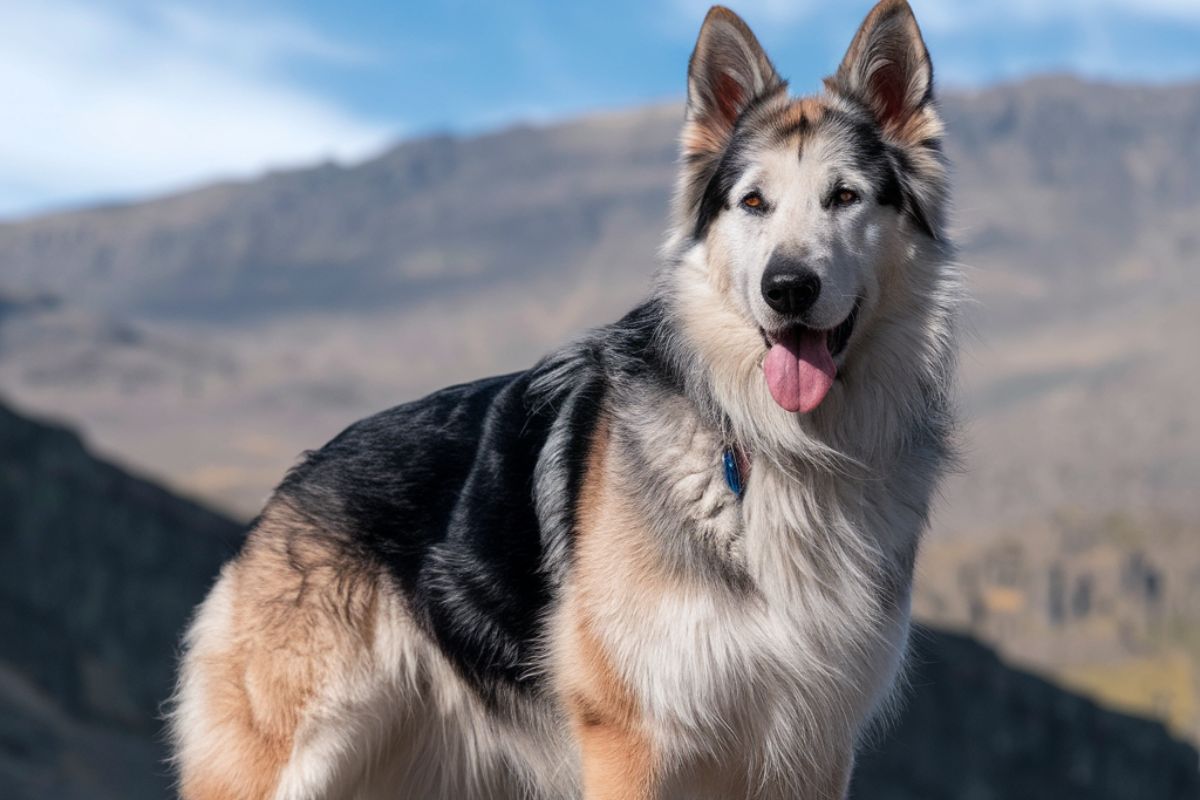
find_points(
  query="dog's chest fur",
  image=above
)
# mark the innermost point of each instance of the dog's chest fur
(764, 629)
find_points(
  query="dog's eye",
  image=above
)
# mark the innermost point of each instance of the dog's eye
(754, 202)
(845, 197)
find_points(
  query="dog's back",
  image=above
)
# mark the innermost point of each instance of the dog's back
(384, 623)
(385, 604)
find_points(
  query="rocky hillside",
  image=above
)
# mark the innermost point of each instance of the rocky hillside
(973, 728)
(1110, 604)
(100, 570)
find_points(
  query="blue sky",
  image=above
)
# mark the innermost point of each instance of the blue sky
(111, 99)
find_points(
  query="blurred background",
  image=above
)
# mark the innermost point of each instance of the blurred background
(227, 230)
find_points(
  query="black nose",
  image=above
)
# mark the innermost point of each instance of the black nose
(789, 287)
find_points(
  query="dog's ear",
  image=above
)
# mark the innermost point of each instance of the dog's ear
(728, 70)
(887, 67)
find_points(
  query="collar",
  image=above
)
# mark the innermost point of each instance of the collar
(737, 469)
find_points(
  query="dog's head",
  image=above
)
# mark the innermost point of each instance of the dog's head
(804, 212)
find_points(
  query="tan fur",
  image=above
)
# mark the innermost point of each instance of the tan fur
(810, 109)
(292, 624)
(700, 138)
(616, 753)
(305, 676)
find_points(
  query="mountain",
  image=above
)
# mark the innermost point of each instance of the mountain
(434, 217)
(973, 728)
(101, 569)
(213, 335)
(1061, 184)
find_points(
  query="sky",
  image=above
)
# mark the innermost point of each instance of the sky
(108, 100)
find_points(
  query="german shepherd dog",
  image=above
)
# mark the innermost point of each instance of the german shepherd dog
(674, 558)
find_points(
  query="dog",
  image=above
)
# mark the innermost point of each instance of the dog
(674, 558)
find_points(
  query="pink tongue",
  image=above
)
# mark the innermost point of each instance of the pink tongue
(800, 370)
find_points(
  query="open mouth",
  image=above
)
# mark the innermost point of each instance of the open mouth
(839, 337)
(800, 367)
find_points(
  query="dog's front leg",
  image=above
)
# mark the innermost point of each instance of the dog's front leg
(617, 760)
(616, 752)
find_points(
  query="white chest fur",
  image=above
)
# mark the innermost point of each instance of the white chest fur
(775, 624)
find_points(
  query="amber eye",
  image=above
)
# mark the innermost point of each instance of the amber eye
(754, 202)
(845, 197)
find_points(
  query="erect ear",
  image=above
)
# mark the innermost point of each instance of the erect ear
(887, 66)
(728, 70)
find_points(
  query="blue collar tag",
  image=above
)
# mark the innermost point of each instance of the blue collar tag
(733, 473)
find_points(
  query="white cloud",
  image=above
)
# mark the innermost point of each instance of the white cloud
(253, 41)
(108, 103)
(945, 16)
(950, 15)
